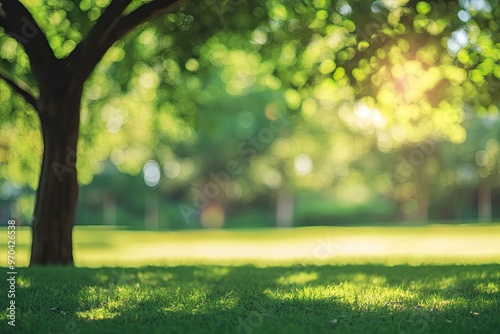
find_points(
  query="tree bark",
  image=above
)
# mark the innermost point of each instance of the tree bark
(57, 192)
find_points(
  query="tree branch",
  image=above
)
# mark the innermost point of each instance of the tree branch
(140, 15)
(110, 27)
(20, 25)
(107, 21)
(21, 88)
(85, 50)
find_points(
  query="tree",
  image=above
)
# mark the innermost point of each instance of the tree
(60, 83)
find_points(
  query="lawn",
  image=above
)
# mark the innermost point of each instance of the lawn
(425, 279)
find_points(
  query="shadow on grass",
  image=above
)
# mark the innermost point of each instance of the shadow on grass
(246, 299)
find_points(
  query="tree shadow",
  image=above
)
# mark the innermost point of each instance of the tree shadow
(249, 299)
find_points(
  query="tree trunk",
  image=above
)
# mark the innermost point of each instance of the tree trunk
(57, 192)
(423, 194)
(284, 209)
(484, 202)
(423, 202)
(109, 209)
(151, 211)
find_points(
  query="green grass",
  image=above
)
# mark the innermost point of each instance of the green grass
(428, 279)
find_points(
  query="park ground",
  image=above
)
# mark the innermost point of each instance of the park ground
(412, 279)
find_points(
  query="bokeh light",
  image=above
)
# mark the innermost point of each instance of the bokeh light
(151, 173)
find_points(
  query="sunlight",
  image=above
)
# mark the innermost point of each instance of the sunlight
(96, 246)
(369, 116)
(298, 278)
(303, 164)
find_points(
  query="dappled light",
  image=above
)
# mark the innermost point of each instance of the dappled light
(346, 297)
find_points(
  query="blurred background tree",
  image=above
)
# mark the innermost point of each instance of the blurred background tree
(268, 113)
